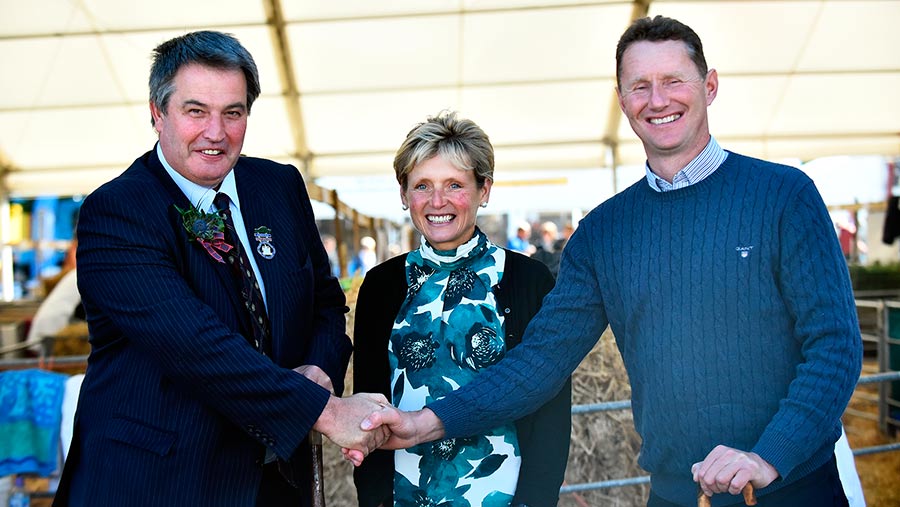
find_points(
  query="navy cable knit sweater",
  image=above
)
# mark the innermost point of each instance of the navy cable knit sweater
(732, 307)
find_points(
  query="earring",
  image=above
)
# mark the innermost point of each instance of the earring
(484, 204)
(404, 207)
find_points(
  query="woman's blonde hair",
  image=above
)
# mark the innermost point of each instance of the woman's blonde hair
(458, 141)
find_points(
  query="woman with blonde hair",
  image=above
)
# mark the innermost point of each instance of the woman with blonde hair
(429, 321)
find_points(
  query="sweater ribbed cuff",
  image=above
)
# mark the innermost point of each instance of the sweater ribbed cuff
(779, 451)
(453, 415)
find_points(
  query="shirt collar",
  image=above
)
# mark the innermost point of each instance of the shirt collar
(200, 196)
(697, 169)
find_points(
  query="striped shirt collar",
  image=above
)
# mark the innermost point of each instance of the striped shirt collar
(698, 169)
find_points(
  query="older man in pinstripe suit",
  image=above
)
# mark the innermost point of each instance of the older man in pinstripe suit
(203, 380)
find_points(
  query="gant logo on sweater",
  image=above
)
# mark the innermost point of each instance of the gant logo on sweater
(744, 251)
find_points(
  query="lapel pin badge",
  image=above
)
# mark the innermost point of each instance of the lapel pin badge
(263, 236)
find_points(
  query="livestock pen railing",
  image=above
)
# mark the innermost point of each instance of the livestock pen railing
(879, 321)
(879, 378)
(875, 326)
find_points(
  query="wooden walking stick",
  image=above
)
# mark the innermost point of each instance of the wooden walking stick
(749, 497)
(318, 469)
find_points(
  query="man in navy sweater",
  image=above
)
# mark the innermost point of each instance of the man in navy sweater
(725, 287)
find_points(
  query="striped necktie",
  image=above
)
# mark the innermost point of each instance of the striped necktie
(245, 280)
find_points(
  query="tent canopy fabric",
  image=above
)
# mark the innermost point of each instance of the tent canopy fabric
(343, 82)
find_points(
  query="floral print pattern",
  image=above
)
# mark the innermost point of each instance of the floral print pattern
(448, 329)
(483, 348)
(416, 352)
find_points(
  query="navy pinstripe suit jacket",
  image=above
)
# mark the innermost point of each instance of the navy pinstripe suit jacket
(176, 407)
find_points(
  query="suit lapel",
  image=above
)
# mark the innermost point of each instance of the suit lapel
(257, 210)
(197, 254)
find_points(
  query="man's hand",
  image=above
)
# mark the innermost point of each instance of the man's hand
(728, 470)
(342, 418)
(314, 373)
(406, 429)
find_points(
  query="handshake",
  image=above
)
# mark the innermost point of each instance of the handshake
(364, 422)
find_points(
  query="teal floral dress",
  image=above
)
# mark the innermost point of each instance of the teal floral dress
(448, 329)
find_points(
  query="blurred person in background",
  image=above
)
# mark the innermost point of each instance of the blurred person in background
(331, 247)
(365, 259)
(521, 242)
(549, 249)
(61, 308)
(567, 231)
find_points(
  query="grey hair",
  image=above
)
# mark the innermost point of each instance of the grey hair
(460, 142)
(212, 49)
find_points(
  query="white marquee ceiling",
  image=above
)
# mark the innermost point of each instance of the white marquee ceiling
(343, 81)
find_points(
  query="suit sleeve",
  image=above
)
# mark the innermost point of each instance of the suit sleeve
(330, 348)
(139, 304)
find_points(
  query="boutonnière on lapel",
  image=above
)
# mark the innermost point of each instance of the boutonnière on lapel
(208, 229)
(263, 236)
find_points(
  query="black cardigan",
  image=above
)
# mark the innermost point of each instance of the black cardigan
(543, 436)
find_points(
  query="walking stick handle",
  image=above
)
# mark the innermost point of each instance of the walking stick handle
(749, 497)
(318, 469)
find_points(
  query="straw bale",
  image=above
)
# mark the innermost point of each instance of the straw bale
(604, 444)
